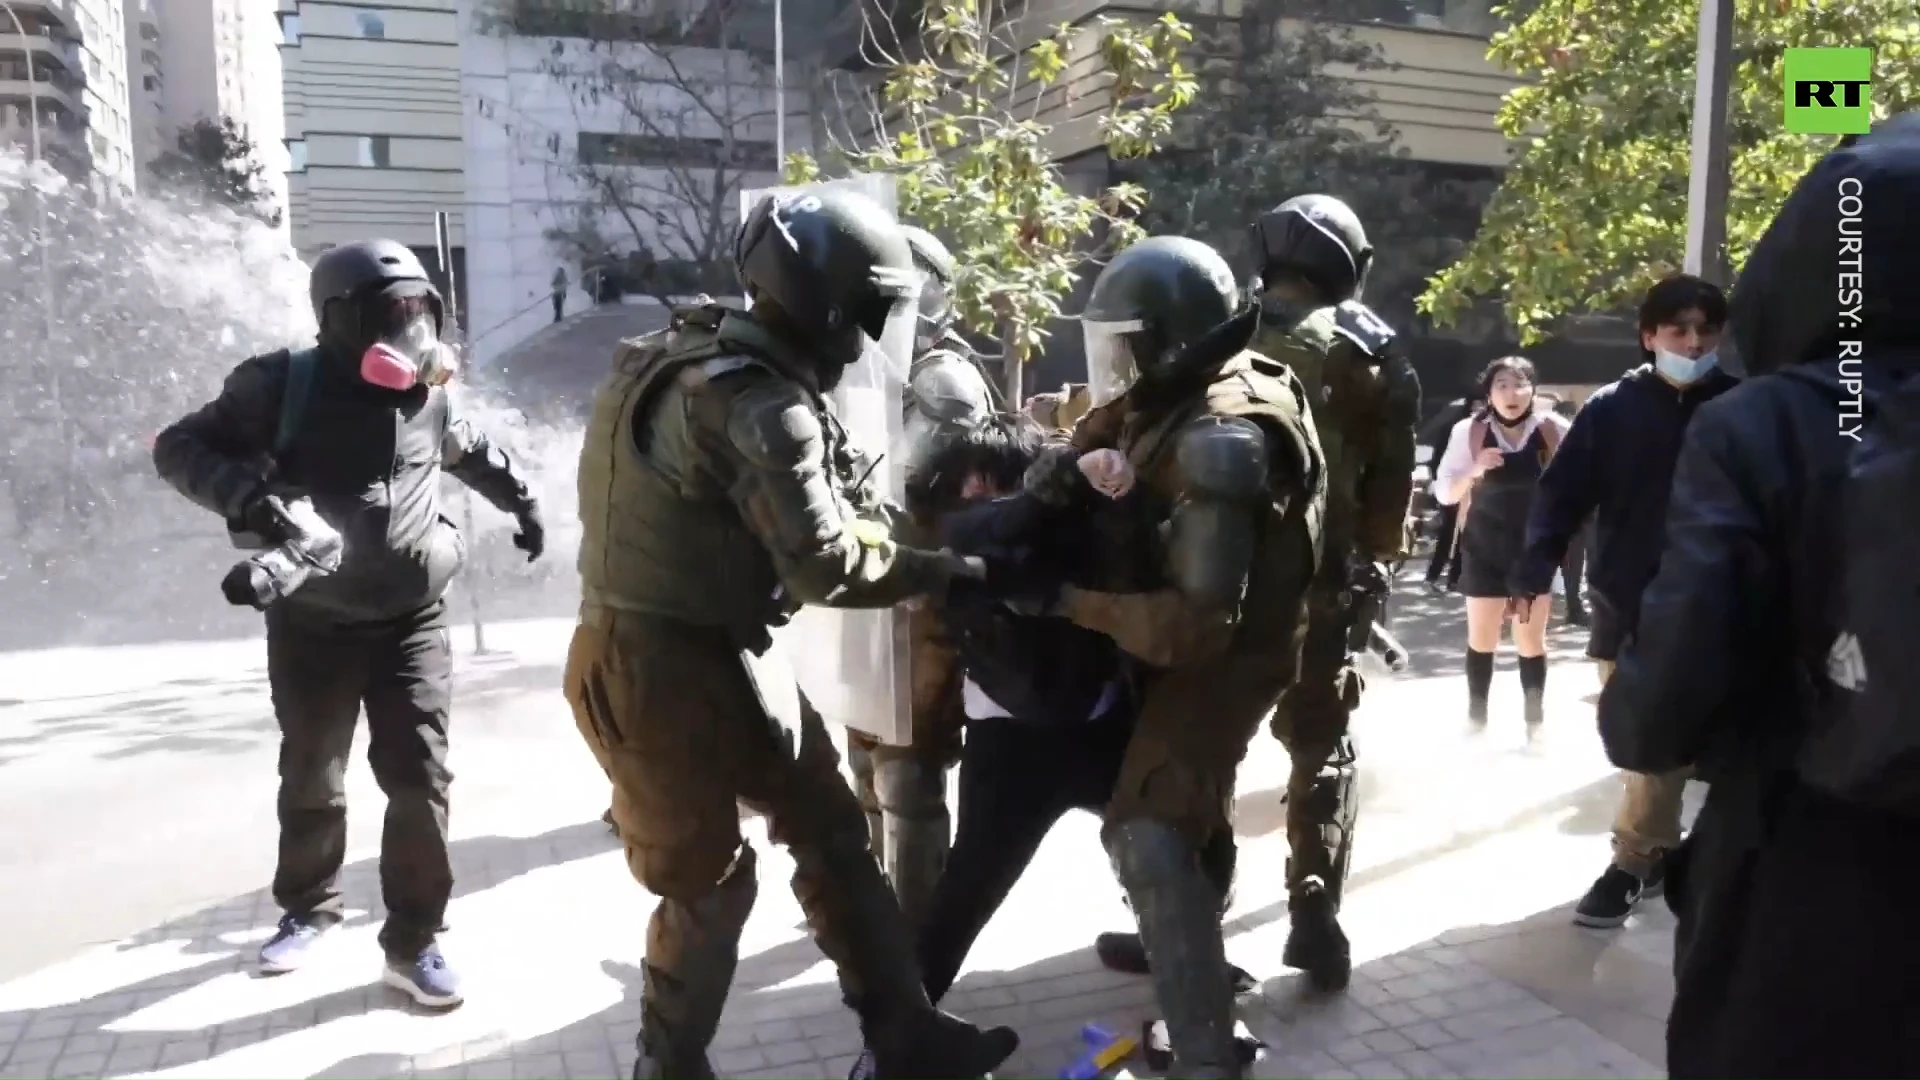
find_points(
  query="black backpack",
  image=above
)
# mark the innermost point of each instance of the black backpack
(1863, 666)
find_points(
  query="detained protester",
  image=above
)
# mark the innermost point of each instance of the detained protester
(1775, 648)
(1491, 465)
(718, 495)
(1232, 475)
(904, 788)
(1443, 568)
(329, 459)
(1616, 469)
(1048, 710)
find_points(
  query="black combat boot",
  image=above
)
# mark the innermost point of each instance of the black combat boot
(857, 922)
(1179, 911)
(692, 950)
(1315, 942)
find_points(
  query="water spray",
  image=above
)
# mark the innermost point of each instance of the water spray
(443, 249)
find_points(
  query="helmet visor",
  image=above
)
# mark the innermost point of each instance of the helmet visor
(889, 319)
(1114, 362)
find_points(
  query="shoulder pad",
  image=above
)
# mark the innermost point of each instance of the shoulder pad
(774, 425)
(949, 387)
(1357, 323)
(1223, 457)
(721, 366)
(1285, 329)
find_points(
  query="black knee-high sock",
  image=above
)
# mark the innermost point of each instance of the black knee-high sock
(1479, 674)
(1533, 673)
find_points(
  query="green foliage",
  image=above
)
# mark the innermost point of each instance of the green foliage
(960, 128)
(215, 160)
(1593, 208)
(1263, 127)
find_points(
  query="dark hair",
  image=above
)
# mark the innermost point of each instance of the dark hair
(998, 448)
(1679, 293)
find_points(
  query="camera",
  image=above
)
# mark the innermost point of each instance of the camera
(294, 543)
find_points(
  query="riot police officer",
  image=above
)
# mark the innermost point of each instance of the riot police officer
(1226, 463)
(903, 788)
(715, 501)
(1366, 407)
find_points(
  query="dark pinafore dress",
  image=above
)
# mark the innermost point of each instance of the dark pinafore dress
(1494, 531)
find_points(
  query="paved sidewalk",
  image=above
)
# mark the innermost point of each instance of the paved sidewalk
(1471, 850)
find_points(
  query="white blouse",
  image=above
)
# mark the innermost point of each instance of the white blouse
(1457, 461)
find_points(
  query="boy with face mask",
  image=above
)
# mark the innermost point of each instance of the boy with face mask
(1616, 466)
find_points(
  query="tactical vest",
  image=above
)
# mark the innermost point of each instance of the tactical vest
(1310, 344)
(1258, 389)
(658, 535)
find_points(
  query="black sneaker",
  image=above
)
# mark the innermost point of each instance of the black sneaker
(1610, 901)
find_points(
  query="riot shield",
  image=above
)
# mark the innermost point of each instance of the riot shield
(854, 665)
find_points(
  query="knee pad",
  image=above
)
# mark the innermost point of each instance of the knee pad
(910, 788)
(1334, 797)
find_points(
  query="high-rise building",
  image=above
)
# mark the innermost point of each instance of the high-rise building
(373, 121)
(207, 60)
(65, 62)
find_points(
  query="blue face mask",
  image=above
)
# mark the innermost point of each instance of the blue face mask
(1684, 370)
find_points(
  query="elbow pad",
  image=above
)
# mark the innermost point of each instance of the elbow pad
(1224, 470)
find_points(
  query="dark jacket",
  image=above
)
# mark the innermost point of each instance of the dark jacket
(1041, 669)
(370, 459)
(1616, 465)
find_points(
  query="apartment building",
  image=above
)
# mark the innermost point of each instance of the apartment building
(371, 94)
(64, 62)
(646, 153)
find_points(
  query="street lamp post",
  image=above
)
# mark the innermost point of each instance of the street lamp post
(779, 86)
(1708, 180)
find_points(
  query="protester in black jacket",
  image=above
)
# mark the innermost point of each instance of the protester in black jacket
(1796, 951)
(1615, 468)
(363, 428)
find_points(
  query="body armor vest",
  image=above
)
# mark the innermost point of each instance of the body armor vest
(1255, 388)
(658, 533)
(1308, 342)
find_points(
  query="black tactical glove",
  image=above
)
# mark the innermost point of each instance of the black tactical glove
(532, 537)
(265, 516)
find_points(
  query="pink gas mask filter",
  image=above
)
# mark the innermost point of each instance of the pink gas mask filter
(418, 358)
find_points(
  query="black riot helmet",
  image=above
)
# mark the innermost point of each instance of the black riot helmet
(357, 289)
(1153, 299)
(839, 270)
(936, 292)
(1316, 238)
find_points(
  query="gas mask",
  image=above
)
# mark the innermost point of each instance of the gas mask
(405, 350)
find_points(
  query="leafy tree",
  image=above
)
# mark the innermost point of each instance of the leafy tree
(217, 161)
(1593, 208)
(957, 120)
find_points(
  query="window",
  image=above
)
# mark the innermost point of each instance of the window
(371, 24)
(607, 148)
(289, 29)
(296, 155)
(375, 152)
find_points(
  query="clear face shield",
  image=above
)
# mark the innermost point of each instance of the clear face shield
(1113, 365)
(935, 315)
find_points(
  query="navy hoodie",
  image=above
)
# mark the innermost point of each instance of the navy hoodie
(1616, 465)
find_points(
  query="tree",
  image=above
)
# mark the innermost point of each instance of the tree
(956, 119)
(1593, 208)
(217, 161)
(671, 121)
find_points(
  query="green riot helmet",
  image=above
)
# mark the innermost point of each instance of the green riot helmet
(840, 271)
(1317, 238)
(937, 314)
(1153, 299)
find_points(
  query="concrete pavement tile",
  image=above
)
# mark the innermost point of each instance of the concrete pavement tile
(1424, 1064)
(78, 1067)
(786, 1054)
(738, 1060)
(835, 1044)
(538, 1066)
(41, 1049)
(590, 1065)
(839, 1066)
(1378, 1069)
(1426, 1035)
(493, 1068)
(1388, 1042)
(775, 1031)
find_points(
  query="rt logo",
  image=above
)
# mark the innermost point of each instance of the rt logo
(1829, 91)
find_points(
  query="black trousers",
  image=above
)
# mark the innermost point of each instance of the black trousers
(1574, 567)
(1445, 564)
(1016, 780)
(320, 676)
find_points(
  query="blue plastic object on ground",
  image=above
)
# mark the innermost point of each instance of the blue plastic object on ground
(1104, 1051)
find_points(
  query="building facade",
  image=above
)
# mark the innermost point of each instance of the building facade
(194, 60)
(65, 62)
(373, 122)
(608, 170)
